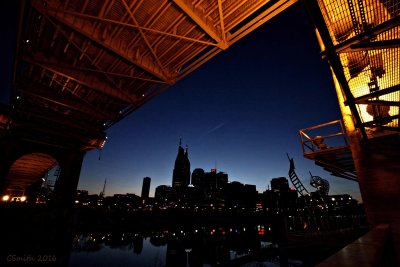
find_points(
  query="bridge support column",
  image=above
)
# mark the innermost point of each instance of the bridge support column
(67, 182)
(7, 156)
(378, 170)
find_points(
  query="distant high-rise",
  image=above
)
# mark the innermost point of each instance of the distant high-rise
(181, 174)
(163, 192)
(198, 177)
(214, 180)
(280, 184)
(146, 187)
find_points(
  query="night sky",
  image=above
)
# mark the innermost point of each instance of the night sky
(240, 112)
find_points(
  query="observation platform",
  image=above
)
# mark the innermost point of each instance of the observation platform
(327, 144)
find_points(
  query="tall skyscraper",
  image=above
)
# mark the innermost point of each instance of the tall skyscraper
(181, 174)
(146, 187)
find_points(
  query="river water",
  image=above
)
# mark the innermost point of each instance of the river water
(203, 246)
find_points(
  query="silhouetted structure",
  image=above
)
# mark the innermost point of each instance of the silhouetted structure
(103, 192)
(280, 198)
(280, 184)
(216, 180)
(137, 244)
(209, 183)
(181, 174)
(240, 196)
(320, 184)
(146, 187)
(198, 177)
(163, 192)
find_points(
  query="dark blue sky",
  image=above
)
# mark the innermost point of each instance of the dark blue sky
(240, 112)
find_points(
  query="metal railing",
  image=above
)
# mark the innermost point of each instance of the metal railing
(328, 146)
(325, 136)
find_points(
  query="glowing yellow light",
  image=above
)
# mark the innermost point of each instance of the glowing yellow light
(320, 42)
(346, 112)
(6, 198)
(23, 198)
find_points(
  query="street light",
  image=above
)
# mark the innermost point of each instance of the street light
(187, 250)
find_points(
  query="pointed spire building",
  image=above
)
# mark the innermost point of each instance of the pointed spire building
(181, 174)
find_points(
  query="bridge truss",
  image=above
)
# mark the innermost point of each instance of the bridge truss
(83, 65)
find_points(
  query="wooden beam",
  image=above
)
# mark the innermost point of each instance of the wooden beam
(68, 102)
(91, 81)
(361, 99)
(381, 103)
(365, 36)
(131, 16)
(380, 120)
(129, 25)
(367, 46)
(89, 31)
(52, 119)
(199, 18)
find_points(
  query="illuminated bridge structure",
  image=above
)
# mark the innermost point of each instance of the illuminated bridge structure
(83, 65)
(361, 40)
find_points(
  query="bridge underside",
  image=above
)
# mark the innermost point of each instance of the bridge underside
(81, 66)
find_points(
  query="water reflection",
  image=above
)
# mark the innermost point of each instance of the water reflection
(46, 233)
(202, 246)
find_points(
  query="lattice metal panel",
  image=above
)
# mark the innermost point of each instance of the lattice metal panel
(369, 55)
(348, 18)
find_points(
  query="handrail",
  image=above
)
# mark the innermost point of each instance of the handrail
(306, 140)
(321, 125)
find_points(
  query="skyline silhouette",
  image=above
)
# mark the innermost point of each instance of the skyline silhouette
(243, 110)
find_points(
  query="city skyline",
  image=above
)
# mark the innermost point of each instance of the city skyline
(214, 169)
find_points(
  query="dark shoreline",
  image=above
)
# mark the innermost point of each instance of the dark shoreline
(108, 220)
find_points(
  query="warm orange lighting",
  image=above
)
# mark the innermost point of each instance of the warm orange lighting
(23, 198)
(366, 70)
(346, 113)
(5, 198)
(321, 44)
